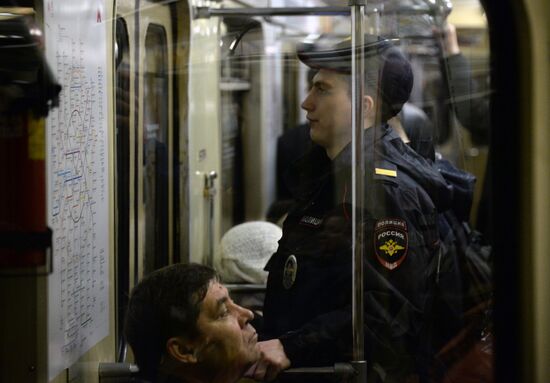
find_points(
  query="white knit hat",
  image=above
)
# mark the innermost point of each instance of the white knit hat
(244, 251)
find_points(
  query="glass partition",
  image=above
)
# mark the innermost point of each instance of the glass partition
(406, 189)
(333, 171)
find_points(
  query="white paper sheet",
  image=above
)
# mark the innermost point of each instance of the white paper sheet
(77, 171)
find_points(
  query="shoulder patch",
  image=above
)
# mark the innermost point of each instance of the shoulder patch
(385, 171)
(391, 242)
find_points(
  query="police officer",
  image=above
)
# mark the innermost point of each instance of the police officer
(307, 311)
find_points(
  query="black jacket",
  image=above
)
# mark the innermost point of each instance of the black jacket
(470, 98)
(312, 317)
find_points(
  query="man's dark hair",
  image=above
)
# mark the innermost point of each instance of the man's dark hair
(166, 303)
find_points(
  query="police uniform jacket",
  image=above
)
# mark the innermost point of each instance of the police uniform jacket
(309, 288)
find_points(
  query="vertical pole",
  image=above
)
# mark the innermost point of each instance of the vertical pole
(210, 194)
(358, 186)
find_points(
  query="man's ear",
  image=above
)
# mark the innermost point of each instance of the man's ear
(181, 350)
(369, 111)
(368, 105)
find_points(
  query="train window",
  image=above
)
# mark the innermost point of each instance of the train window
(122, 218)
(155, 149)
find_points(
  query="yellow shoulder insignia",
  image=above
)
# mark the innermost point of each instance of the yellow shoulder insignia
(385, 172)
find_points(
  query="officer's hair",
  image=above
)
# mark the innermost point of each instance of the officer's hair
(165, 304)
(388, 91)
(372, 75)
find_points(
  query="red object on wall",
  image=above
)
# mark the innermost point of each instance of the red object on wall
(23, 226)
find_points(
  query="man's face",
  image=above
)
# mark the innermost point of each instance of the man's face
(227, 337)
(328, 106)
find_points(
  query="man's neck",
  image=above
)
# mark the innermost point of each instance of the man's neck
(337, 147)
(334, 150)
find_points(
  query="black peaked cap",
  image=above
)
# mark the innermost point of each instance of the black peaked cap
(396, 77)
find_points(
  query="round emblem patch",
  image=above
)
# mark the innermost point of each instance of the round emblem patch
(289, 273)
(391, 242)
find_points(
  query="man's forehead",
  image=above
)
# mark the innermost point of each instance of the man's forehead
(324, 76)
(216, 295)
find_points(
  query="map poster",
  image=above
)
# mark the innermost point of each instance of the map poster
(78, 183)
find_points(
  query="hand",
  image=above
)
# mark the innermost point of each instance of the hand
(449, 39)
(272, 361)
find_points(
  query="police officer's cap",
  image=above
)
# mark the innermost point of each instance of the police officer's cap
(396, 77)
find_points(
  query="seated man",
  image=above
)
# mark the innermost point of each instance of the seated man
(183, 327)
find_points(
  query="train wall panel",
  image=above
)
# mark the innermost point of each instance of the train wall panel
(204, 134)
(539, 158)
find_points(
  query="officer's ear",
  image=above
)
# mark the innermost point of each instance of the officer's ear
(368, 102)
(181, 350)
(369, 107)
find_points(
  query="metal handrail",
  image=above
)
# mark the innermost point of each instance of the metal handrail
(341, 370)
(117, 372)
(207, 12)
(111, 372)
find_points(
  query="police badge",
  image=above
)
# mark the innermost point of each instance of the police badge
(391, 242)
(289, 273)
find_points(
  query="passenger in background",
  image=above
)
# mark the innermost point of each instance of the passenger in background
(291, 145)
(244, 251)
(307, 312)
(415, 129)
(462, 329)
(470, 104)
(183, 327)
(472, 109)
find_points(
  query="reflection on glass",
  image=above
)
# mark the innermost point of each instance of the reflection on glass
(122, 166)
(155, 149)
(426, 243)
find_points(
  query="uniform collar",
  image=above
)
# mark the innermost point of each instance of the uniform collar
(313, 169)
(372, 137)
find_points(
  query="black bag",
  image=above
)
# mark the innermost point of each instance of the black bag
(469, 264)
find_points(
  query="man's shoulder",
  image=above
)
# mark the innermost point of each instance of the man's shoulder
(415, 174)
